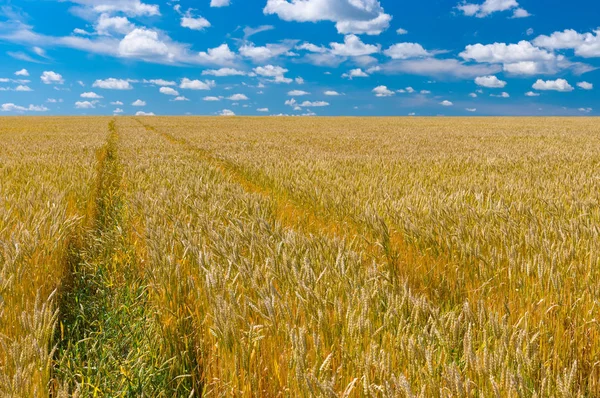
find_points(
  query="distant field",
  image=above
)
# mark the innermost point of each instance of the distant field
(297, 257)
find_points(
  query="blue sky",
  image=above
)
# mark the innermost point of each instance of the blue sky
(300, 57)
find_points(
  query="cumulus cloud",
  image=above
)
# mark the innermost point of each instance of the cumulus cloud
(161, 82)
(351, 74)
(168, 91)
(138, 102)
(471, 109)
(22, 72)
(382, 91)
(219, 3)
(553, 85)
(406, 51)
(180, 98)
(331, 93)
(128, 7)
(489, 82)
(276, 72)
(196, 84)
(350, 16)
(262, 110)
(107, 25)
(113, 84)
(446, 103)
(585, 85)
(439, 68)
(266, 52)
(237, 97)
(401, 31)
(91, 95)
(221, 55)
(118, 110)
(532, 94)
(22, 87)
(491, 6)
(224, 72)
(297, 93)
(501, 95)
(227, 112)
(85, 105)
(584, 44)
(50, 77)
(195, 23)
(10, 107)
(353, 47)
(211, 98)
(142, 113)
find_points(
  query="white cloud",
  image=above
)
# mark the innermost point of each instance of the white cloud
(530, 31)
(473, 95)
(194, 23)
(142, 113)
(129, 7)
(118, 110)
(196, 84)
(406, 51)
(22, 72)
(270, 71)
(50, 77)
(266, 52)
(532, 94)
(161, 82)
(585, 85)
(501, 95)
(382, 91)
(491, 6)
(262, 110)
(219, 3)
(297, 93)
(221, 55)
(107, 25)
(138, 102)
(354, 73)
(227, 112)
(224, 72)
(331, 93)
(10, 107)
(401, 31)
(353, 47)
(489, 82)
(238, 97)
(585, 110)
(438, 68)
(23, 88)
(91, 95)
(211, 98)
(180, 98)
(315, 104)
(145, 44)
(471, 109)
(553, 85)
(116, 103)
(350, 16)
(84, 105)
(584, 44)
(113, 84)
(168, 91)
(446, 103)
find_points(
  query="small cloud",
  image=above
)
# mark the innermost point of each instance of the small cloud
(532, 94)
(471, 109)
(168, 91)
(22, 72)
(22, 87)
(553, 85)
(297, 93)
(113, 84)
(585, 85)
(502, 95)
(382, 91)
(263, 109)
(446, 103)
(529, 32)
(138, 102)
(354, 73)
(227, 112)
(91, 95)
(401, 31)
(118, 110)
(332, 93)
(211, 99)
(180, 98)
(142, 113)
(50, 77)
(84, 105)
(490, 82)
(116, 103)
(238, 97)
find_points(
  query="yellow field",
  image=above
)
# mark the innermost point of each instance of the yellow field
(300, 257)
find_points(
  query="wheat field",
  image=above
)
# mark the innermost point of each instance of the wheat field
(299, 257)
